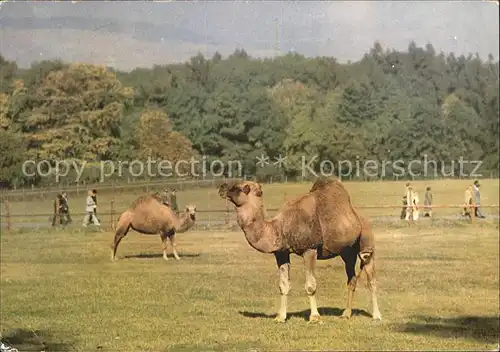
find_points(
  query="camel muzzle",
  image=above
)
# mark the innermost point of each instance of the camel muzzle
(223, 190)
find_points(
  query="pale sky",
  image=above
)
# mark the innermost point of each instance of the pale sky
(132, 34)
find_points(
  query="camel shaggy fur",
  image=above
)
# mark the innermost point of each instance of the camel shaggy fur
(149, 215)
(319, 225)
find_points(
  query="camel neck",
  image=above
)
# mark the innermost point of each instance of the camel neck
(260, 233)
(185, 222)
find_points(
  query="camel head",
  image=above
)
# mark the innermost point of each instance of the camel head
(240, 193)
(191, 211)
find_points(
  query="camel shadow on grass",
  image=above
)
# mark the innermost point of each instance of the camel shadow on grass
(304, 314)
(160, 255)
(34, 340)
(479, 328)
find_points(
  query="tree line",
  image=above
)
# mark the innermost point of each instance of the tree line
(389, 105)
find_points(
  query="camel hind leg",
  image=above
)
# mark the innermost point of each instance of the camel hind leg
(122, 229)
(367, 256)
(349, 256)
(368, 266)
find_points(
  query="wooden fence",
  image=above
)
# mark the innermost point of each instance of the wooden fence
(222, 216)
(47, 192)
(115, 188)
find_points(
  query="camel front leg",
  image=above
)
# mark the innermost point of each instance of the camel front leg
(283, 262)
(171, 238)
(310, 258)
(164, 242)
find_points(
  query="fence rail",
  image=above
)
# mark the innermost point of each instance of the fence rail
(46, 192)
(6, 216)
(104, 185)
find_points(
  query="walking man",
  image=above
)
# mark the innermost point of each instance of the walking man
(410, 202)
(4, 347)
(477, 197)
(407, 188)
(90, 207)
(428, 203)
(403, 210)
(57, 210)
(173, 201)
(61, 210)
(65, 209)
(94, 197)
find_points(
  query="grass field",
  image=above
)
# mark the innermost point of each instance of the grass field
(59, 291)
(439, 283)
(363, 193)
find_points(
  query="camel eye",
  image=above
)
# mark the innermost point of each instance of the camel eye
(235, 189)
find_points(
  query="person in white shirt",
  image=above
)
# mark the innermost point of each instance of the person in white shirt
(89, 211)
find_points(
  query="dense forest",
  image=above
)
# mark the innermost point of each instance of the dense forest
(390, 105)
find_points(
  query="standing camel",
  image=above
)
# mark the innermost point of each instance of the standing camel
(149, 215)
(319, 225)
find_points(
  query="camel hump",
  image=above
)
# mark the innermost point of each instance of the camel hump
(145, 200)
(329, 192)
(328, 189)
(331, 195)
(324, 182)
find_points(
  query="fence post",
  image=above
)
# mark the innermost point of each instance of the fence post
(473, 209)
(7, 214)
(227, 213)
(410, 206)
(112, 214)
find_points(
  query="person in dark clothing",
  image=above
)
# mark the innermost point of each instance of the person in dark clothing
(173, 201)
(404, 209)
(477, 198)
(61, 210)
(58, 205)
(65, 209)
(428, 203)
(94, 197)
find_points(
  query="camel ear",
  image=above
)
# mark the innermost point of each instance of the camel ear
(258, 191)
(223, 190)
(246, 189)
